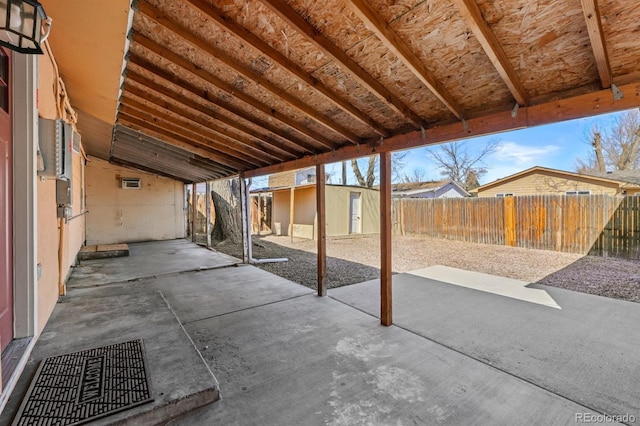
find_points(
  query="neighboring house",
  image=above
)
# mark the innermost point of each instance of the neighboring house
(350, 210)
(435, 189)
(541, 180)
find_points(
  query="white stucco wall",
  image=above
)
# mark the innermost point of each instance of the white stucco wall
(116, 215)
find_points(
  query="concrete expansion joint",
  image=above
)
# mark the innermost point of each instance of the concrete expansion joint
(249, 308)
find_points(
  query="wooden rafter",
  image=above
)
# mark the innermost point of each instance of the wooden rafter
(297, 22)
(487, 39)
(197, 132)
(586, 105)
(244, 145)
(287, 64)
(400, 48)
(192, 68)
(196, 168)
(171, 25)
(598, 45)
(178, 139)
(152, 90)
(288, 139)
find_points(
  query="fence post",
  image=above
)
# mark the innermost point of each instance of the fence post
(509, 222)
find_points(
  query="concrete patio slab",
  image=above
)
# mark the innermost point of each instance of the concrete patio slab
(316, 361)
(587, 352)
(203, 294)
(180, 379)
(147, 260)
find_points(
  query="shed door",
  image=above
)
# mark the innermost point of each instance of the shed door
(356, 213)
(6, 223)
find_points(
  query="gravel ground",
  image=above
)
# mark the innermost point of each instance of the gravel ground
(353, 260)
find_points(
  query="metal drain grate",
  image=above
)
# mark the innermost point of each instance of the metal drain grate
(76, 388)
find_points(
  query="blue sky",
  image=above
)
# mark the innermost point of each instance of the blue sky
(556, 146)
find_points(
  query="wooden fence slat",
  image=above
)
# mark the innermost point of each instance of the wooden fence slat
(595, 224)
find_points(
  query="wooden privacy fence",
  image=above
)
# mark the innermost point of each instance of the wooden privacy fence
(586, 224)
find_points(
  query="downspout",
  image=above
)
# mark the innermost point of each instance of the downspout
(62, 288)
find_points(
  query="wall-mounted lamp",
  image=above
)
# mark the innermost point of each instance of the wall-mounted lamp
(22, 24)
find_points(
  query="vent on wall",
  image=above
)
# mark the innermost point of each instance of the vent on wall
(130, 183)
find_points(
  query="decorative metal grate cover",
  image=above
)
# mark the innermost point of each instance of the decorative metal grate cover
(79, 387)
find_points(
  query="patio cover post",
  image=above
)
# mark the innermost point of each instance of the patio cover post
(207, 199)
(292, 204)
(244, 215)
(194, 210)
(322, 230)
(385, 239)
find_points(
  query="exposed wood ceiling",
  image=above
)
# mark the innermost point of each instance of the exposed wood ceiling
(258, 86)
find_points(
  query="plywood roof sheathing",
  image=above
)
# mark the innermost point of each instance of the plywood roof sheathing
(232, 91)
(398, 46)
(289, 15)
(264, 48)
(473, 16)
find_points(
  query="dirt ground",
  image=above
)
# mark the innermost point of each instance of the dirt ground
(356, 259)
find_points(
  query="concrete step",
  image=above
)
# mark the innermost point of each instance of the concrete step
(180, 379)
(103, 251)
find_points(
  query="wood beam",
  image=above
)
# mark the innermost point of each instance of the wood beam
(171, 25)
(151, 88)
(599, 102)
(487, 39)
(166, 77)
(186, 138)
(386, 300)
(201, 73)
(321, 233)
(228, 24)
(261, 149)
(598, 45)
(401, 49)
(205, 138)
(302, 26)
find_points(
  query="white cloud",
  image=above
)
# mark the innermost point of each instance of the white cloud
(522, 154)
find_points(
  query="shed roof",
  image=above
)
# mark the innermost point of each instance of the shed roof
(272, 85)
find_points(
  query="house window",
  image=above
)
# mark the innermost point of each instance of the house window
(578, 193)
(505, 194)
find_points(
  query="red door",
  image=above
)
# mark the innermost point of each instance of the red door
(6, 195)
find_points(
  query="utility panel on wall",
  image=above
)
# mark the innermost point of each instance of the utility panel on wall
(56, 140)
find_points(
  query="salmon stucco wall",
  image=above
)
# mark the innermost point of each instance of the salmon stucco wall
(48, 238)
(117, 215)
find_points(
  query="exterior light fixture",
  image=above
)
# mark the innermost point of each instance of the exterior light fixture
(22, 24)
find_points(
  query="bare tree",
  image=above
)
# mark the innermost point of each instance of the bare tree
(617, 148)
(456, 163)
(225, 194)
(416, 175)
(369, 178)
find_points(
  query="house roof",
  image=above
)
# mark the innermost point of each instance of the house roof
(555, 172)
(410, 186)
(630, 176)
(272, 85)
(422, 187)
